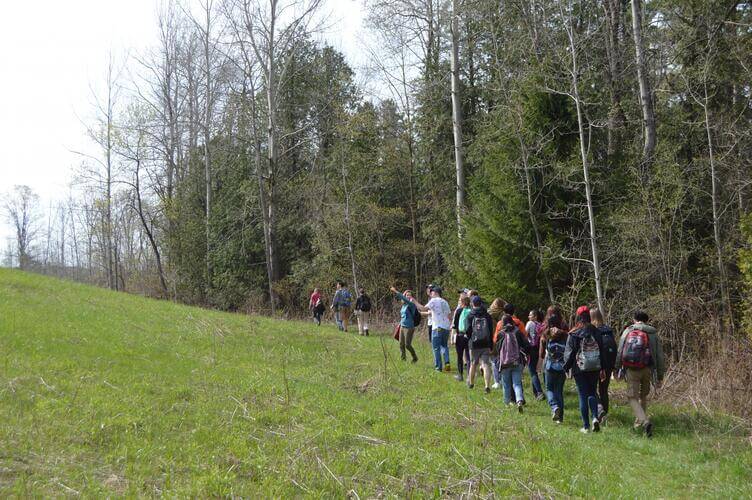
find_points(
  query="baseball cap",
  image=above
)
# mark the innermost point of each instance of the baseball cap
(476, 300)
(583, 309)
(437, 289)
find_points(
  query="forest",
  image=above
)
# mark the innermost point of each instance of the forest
(542, 151)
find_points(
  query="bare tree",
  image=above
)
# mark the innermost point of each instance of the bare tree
(457, 117)
(21, 209)
(646, 94)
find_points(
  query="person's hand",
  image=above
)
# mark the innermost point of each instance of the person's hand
(603, 375)
(393, 290)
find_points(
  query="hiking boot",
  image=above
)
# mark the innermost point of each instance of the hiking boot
(557, 415)
(458, 378)
(648, 428)
(415, 360)
(520, 404)
(495, 386)
(447, 367)
(584, 430)
(488, 390)
(596, 425)
(470, 386)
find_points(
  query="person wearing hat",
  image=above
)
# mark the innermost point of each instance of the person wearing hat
(480, 331)
(585, 356)
(441, 323)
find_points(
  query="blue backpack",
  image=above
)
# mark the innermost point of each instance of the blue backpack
(345, 298)
(555, 356)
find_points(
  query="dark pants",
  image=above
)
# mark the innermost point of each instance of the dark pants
(555, 390)
(586, 388)
(532, 368)
(430, 331)
(463, 351)
(603, 390)
(317, 312)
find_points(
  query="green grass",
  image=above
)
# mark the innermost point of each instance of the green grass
(110, 394)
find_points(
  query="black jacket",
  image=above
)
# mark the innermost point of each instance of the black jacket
(360, 303)
(574, 341)
(481, 312)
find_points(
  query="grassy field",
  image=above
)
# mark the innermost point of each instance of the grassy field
(110, 394)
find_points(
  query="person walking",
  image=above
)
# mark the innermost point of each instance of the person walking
(584, 356)
(496, 311)
(640, 360)
(429, 324)
(513, 349)
(462, 339)
(316, 306)
(441, 322)
(408, 313)
(363, 311)
(534, 329)
(341, 304)
(609, 361)
(480, 342)
(553, 344)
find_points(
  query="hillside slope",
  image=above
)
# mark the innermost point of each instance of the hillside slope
(110, 394)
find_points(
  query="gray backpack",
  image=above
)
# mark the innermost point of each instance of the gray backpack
(589, 357)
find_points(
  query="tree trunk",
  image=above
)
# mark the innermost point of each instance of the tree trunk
(457, 118)
(646, 94)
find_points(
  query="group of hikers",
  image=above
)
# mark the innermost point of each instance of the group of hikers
(495, 341)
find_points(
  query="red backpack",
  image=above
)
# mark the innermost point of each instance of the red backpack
(636, 350)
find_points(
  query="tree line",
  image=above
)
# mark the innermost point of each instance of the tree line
(543, 151)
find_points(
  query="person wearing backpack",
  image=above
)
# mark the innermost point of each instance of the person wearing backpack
(341, 304)
(480, 328)
(462, 337)
(408, 315)
(534, 329)
(363, 311)
(640, 360)
(585, 357)
(551, 350)
(609, 348)
(496, 310)
(513, 349)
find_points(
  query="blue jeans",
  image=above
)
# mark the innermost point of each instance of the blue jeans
(586, 384)
(511, 377)
(495, 364)
(532, 368)
(555, 389)
(440, 345)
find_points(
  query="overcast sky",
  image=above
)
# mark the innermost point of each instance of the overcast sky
(54, 51)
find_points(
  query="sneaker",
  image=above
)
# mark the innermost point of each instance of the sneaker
(447, 367)
(470, 386)
(596, 425)
(648, 428)
(488, 390)
(584, 430)
(415, 360)
(520, 404)
(495, 386)
(557, 415)
(601, 413)
(539, 397)
(458, 378)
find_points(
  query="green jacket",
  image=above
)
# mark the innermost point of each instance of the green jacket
(656, 351)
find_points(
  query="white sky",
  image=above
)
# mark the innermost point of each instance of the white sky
(51, 54)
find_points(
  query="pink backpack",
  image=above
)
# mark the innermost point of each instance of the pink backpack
(509, 354)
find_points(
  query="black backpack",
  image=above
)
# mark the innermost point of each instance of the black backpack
(365, 303)
(481, 331)
(417, 317)
(609, 347)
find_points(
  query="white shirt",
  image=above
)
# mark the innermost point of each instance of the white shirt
(440, 313)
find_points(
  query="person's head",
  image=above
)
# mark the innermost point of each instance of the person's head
(362, 291)
(535, 315)
(473, 293)
(583, 315)
(429, 287)
(596, 317)
(509, 309)
(553, 311)
(435, 291)
(465, 301)
(462, 296)
(340, 284)
(506, 319)
(498, 304)
(641, 317)
(554, 321)
(315, 290)
(476, 301)
(408, 294)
